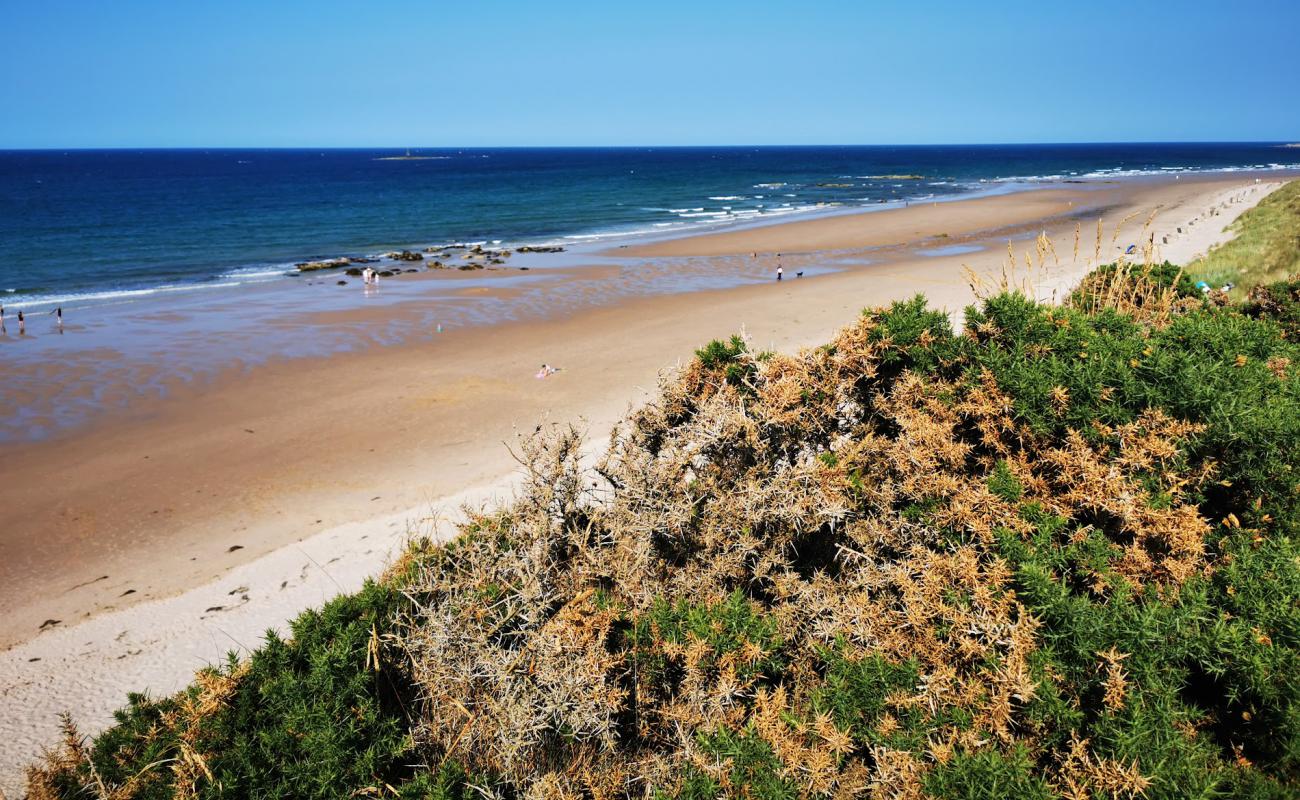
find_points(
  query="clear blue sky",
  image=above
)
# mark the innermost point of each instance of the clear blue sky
(569, 72)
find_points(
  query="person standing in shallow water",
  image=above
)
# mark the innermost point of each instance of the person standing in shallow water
(58, 317)
(22, 324)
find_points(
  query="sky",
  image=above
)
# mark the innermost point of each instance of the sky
(403, 73)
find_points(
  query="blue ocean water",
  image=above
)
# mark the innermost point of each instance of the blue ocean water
(75, 225)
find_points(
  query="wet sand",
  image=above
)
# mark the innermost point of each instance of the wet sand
(227, 476)
(917, 222)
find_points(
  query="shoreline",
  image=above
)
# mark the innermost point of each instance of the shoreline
(207, 334)
(272, 322)
(239, 277)
(434, 423)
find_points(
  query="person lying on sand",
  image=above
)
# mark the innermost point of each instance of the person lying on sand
(546, 371)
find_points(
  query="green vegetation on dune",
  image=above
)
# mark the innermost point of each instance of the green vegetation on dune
(1279, 302)
(1265, 246)
(1056, 555)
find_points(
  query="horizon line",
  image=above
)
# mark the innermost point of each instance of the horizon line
(1261, 142)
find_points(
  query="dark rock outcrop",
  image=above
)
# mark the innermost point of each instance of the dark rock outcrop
(329, 263)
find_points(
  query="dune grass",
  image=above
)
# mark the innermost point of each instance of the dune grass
(1265, 246)
(1055, 555)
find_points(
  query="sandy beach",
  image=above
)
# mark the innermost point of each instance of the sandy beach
(170, 530)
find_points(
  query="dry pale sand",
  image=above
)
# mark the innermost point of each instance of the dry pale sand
(315, 470)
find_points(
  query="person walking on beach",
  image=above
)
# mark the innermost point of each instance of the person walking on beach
(58, 317)
(779, 273)
(2, 320)
(22, 325)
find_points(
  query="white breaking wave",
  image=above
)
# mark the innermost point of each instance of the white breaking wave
(275, 271)
(1124, 172)
(70, 298)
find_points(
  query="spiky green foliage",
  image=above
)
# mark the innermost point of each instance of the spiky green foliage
(986, 775)
(1279, 302)
(729, 357)
(1165, 275)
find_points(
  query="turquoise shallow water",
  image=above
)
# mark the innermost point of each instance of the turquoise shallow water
(86, 226)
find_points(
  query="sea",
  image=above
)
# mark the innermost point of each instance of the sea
(84, 226)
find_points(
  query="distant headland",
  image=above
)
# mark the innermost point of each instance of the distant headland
(408, 157)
